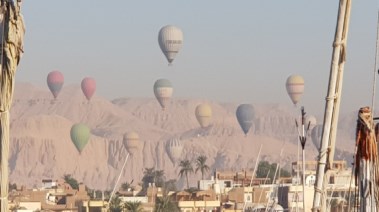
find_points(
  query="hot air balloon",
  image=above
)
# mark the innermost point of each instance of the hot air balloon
(174, 149)
(295, 87)
(170, 40)
(88, 87)
(131, 142)
(80, 134)
(203, 114)
(163, 91)
(311, 120)
(316, 135)
(245, 116)
(55, 82)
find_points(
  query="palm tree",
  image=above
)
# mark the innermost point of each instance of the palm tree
(186, 168)
(127, 185)
(159, 178)
(133, 206)
(164, 204)
(200, 165)
(71, 181)
(115, 205)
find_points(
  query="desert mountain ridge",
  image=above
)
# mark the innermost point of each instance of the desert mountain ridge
(41, 146)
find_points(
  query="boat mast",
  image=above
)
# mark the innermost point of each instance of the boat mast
(333, 99)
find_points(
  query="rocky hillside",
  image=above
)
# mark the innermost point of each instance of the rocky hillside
(41, 146)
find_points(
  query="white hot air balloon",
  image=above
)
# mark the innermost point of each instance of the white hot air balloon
(174, 149)
(131, 142)
(295, 87)
(170, 40)
(311, 120)
(316, 135)
(163, 91)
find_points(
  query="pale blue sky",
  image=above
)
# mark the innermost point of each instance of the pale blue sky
(234, 51)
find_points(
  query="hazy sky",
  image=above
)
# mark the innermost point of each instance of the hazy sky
(233, 51)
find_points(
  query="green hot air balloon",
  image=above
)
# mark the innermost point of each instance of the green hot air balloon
(80, 135)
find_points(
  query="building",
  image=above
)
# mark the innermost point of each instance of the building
(197, 201)
(52, 196)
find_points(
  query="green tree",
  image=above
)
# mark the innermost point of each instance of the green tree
(94, 194)
(201, 165)
(264, 168)
(152, 176)
(165, 204)
(170, 185)
(185, 169)
(192, 190)
(127, 185)
(159, 178)
(115, 205)
(12, 186)
(133, 206)
(71, 181)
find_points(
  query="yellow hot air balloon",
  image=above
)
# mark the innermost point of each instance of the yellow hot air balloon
(295, 87)
(203, 114)
(131, 142)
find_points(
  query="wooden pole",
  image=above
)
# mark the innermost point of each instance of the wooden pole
(12, 33)
(333, 99)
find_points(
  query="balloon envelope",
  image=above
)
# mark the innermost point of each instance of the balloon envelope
(80, 134)
(55, 82)
(163, 91)
(245, 116)
(131, 142)
(311, 120)
(88, 87)
(316, 135)
(203, 114)
(174, 149)
(170, 40)
(295, 87)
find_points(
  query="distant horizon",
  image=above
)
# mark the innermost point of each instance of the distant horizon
(290, 106)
